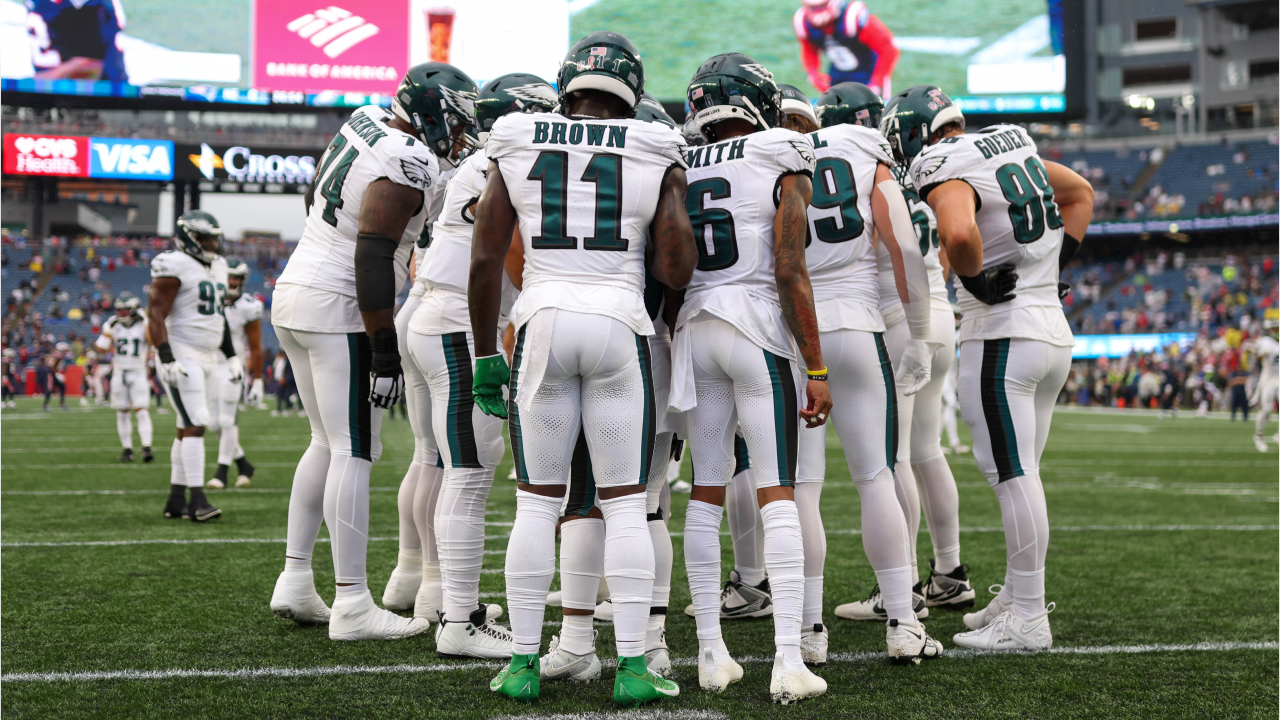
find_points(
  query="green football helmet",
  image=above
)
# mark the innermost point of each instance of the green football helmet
(198, 235)
(604, 61)
(439, 101)
(650, 110)
(512, 93)
(795, 102)
(912, 116)
(239, 269)
(733, 86)
(127, 304)
(850, 103)
(692, 136)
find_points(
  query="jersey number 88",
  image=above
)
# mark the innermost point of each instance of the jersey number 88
(1029, 210)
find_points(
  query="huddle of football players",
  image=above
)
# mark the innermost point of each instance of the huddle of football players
(783, 269)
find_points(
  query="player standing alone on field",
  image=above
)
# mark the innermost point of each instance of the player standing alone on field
(125, 337)
(859, 47)
(244, 320)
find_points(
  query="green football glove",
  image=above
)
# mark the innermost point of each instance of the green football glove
(491, 374)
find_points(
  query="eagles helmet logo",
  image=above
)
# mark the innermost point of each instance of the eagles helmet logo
(417, 172)
(758, 69)
(534, 93)
(461, 102)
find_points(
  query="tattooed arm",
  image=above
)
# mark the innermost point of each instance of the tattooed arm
(674, 254)
(790, 226)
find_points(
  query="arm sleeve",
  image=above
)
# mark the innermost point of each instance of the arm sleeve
(876, 36)
(809, 57)
(917, 275)
(228, 348)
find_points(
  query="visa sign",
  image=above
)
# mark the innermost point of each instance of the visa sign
(131, 159)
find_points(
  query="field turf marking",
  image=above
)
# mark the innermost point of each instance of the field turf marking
(256, 673)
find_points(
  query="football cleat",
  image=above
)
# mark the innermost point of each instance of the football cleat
(127, 455)
(243, 481)
(219, 479)
(402, 590)
(909, 644)
(175, 508)
(519, 680)
(244, 472)
(147, 455)
(1258, 442)
(788, 686)
(634, 684)
(604, 611)
(813, 645)
(295, 599)
(355, 617)
(1009, 632)
(982, 618)
(199, 508)
(715, 676)
(873, 607)
(739, 600)
(554, 598)
(658, 657)
(949, 591)
(560, 664)
(681, 487)
(429, 602)
(475, 638)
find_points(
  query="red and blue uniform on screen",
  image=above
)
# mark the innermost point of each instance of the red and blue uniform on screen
(70, 37)
(859, 47)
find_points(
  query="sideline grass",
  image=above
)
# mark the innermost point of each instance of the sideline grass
(160, 607)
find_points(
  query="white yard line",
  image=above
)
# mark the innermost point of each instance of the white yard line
(307, 672)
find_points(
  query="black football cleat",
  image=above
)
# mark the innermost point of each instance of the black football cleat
(176, 507)
(147, 455)
(126, 456)
(200, 509)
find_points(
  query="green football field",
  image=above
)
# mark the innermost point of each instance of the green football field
(1162, 562)
(675, 37)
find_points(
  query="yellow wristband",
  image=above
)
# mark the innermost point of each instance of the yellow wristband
(814, 373)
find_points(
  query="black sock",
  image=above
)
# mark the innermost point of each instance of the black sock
(221, 473)
(244, 467)
(178, 491)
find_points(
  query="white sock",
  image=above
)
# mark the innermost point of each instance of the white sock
(355, 589)
(653, 630)
(409, 561)
(702, 563)
(784, 558)
(346, 513)
(432, 583)
(940, 502)
(577, 635)
(743, 512)
(177, 475)
(145, 431)
(628, 566)
(460, 537)
(531, 553)
(909, 499)
(193, 461)
(124, 428)
(1028, 593)
(895, 594)
(1026, 533)
(228, 443)
(297, 564)
(814, 536)
(306, 502)
(660, 536)
(410, 539)
(581, 562)
(663, 556)
(430, 478)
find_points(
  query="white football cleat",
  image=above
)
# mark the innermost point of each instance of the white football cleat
(1009, 632)
(560, 664)
(873, 607)
(402, 590)
(1259, 443)
(216, 484)
(982, 618)
(295, 598)
(952, 590)
(475, 638)
(788, 686)
(429, 602)
(355, 617)
(715, 676)
(813, 645)
(658, 657)
(909, 644)
(604, 611)
(243, 481)
(554, 598)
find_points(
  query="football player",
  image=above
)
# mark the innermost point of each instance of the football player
(595, 193)
(859, 47)
(441, 347)
(76, 40)
(185, 322)
(244, 318)
(1267, 350)
(733, 356)
(1008, 222)
(124, 335)
(858, 211)
(333, 312)
(800, 114)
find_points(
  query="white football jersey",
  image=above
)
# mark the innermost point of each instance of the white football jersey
(925, 225)
(732, 201)
(195, 320)
(364, 150)
(129, 345)
(840, 248)
(1268, 351)
(1019, 223)
(243, 311)
(585, 192)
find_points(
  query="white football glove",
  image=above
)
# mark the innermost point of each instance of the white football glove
(916, 366)
(170, 373)
(235, 371)
(255, 393)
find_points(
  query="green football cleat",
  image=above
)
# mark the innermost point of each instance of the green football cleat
(635, 685)
(519, 680)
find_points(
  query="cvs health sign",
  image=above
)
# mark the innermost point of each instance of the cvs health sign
(312, 45)
(62, 156)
